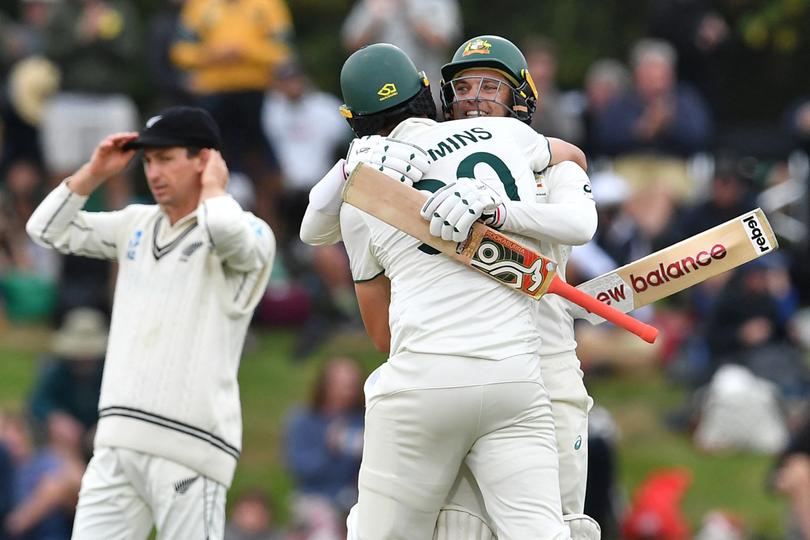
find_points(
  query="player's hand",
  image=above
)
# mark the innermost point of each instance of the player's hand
(109, 158)
(399, 160)
(453, 209)
(215, 174)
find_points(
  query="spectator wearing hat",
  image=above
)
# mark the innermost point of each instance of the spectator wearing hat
(65, 398)
(191, 270)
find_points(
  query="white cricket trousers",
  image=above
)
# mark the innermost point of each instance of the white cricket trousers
(570, 404)
(416, 440)
(124, 493)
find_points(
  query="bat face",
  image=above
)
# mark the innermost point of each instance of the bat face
(684, 264)
(511, 263)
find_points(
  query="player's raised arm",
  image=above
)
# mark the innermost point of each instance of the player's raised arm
(565, 151)
(400, 160)
(58, 221)
(567, 217)
(243, 241)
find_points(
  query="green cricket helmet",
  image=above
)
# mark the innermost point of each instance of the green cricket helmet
(501, 55)
(381, 86)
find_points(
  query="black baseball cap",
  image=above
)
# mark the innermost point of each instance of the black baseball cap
(178, 126)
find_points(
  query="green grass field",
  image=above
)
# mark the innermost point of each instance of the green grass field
(271, 382)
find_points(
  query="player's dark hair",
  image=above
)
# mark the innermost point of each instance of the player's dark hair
(193, 151)
(421, 105)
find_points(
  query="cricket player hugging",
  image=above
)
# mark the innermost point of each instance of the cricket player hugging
(432, 311)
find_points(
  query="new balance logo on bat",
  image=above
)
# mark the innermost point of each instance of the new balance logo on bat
(677, 269)
(755, 235)
(615, 294)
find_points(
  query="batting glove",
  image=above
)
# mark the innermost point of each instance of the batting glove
(400, 160)
(453, 209)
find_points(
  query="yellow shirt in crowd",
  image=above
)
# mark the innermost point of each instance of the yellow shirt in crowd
(232, 45)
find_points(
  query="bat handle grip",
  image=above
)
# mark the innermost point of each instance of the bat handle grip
(644, 331)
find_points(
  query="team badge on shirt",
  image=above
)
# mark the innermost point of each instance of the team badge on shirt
(189, 250)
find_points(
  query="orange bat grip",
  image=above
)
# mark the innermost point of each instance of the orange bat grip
(644, 331)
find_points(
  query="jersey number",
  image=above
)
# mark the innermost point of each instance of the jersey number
(466, 169)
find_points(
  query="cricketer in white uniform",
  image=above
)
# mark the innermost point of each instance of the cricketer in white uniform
(566, 217)
(563, 190)
(462, 383)
(473, 85)
(169, 431)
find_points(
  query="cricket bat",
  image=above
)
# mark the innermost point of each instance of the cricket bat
(485, 249)
(684, 264)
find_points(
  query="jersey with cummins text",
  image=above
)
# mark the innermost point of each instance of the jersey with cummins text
(439, 306)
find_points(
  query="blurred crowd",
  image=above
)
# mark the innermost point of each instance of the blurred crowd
(662, 168)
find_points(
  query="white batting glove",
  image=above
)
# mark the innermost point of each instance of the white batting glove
(399, 160)
(453, 209)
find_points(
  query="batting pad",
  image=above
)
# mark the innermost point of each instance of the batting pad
(582, 527)
(457, 523)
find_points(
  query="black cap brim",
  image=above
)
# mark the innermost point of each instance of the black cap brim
(152, 141)
(147, 141)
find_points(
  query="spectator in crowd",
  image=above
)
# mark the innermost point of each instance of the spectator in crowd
(252, 518)
(229, 51)
(95, 45)
(701, 38)
(749, 325)
(31, 82)
(44, 485)
(554, 116)
(309, 134)
(792, 479)
(25, 37)
(424, 29)
(658, 123)
(605, 80)
(64, 401)
(658, 114)
(324, 443)
(171, 85)
(28, 272)
(730, 195)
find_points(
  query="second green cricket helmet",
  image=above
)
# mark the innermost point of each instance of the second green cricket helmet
(381, 86)
(501, 55)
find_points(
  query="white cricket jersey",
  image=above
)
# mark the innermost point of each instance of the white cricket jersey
(439, 306)
(184, 296)
(565, 187)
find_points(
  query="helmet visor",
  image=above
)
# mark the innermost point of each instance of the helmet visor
(487, 95)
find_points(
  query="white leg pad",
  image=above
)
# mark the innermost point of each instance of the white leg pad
(458, 523)
(582, 527)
